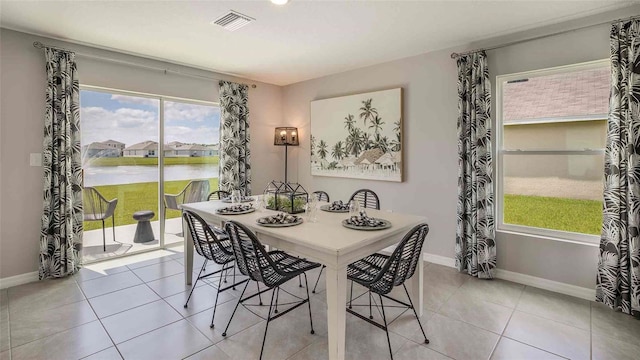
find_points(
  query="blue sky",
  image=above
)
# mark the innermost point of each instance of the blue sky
(131, 119)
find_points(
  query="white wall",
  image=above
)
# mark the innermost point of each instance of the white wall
(430, 150)
(22, 74)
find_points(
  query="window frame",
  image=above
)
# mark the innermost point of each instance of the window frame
(500, 152)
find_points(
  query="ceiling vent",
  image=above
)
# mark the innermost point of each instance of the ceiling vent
(233, 20)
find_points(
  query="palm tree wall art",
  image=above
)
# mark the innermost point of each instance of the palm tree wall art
(358, 136)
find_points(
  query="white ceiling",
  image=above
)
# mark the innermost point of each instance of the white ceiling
(286, 44)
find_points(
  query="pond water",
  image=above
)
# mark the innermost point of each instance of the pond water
(112, 175)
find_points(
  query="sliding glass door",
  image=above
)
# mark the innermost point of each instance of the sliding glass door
(190, 158)
(133, 186)
(120, 165)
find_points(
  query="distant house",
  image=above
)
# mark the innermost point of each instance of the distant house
(115, 144)
(178, 149)
(564, 111)
(144, 149)
(100, 149)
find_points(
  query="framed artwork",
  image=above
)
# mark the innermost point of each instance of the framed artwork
(358, 136)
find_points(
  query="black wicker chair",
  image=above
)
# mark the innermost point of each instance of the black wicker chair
(212, 248)
(218, 195)
(272, 268)
(322, 195)
(380, 273)
(367, 199)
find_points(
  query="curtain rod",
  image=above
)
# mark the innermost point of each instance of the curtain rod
(39, 45)
(457, 55)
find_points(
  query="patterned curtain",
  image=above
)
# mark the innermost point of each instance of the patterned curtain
(61, 232)
(475, 232)
(618, 281)
(235, 157)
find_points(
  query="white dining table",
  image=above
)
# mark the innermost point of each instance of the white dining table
(325, 241)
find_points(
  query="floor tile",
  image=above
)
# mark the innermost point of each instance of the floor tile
(98, 270)
(406, 324)
(501, 292)
(212, 352)
(558, 307)
(435, 294)
(483, 314)
(45, 294)
(615, 324)
(282, 341)
(549, 335)
(128, 324)
(5, 355)
(203, 298)
(242, 320)
(508, 349)
(446, 274)
(171, 285)
(604, 348)
(457, 339)
(74, 343)
(108, 354)
(121, 300)
(175, 341)
(4, 333)
(149, 261)
(111, 283)
(159, 270)
(413, 351)
(37, 324)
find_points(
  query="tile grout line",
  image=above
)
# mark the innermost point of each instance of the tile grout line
(513, 311)
(101, 324)
(518, 341)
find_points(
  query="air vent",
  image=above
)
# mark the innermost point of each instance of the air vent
(233, 20)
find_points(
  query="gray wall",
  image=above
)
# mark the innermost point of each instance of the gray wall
(22, 74)
(430, 151)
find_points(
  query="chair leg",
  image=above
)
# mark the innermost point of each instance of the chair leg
(264, 339)
(196, 283)
(215, 306)
(234, 277)
(259, 295)
(113, 224)
(426, 341)
(370, 312)
(386, 328)
(277, 297)
(351, 296)
(318, 279)
(299, 280)
(234, 309)
(306, 285)
(104, 238)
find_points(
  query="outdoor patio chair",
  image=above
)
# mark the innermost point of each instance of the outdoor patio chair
(272, 268)
(97, 208)
(218, 195)
(380, 273)
(195, 191)
(212, 248)
(367, 199)
(322, 195)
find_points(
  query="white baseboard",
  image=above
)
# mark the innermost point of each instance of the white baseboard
(18, 280)
(524, 279)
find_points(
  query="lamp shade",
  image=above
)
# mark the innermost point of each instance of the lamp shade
(286, 136)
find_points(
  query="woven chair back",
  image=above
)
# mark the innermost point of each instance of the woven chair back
(205, 240)
(367, 199)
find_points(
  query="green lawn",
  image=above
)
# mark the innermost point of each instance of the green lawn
(139, 196)
(582, 216)
(121, 161)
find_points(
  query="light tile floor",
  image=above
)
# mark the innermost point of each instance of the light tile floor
(132, 308)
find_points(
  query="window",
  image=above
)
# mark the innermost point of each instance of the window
(551, 139)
